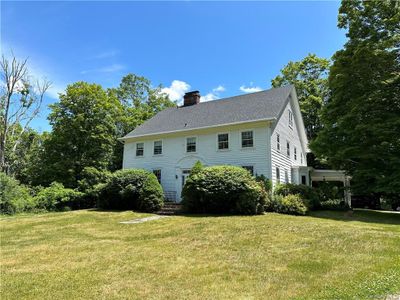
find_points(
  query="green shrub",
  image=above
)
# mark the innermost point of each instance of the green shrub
(290, 204)
(334, 204)
(131, 189)
(267, 183)
(197, 167)
(223, 189)
(56, 197)
(309, 195)
(90, 185)
(14, 197)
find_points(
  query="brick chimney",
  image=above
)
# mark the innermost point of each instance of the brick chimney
(191, 98)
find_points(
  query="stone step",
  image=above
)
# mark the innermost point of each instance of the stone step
(170, 209)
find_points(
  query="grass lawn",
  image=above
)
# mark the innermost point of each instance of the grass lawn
(90, 255)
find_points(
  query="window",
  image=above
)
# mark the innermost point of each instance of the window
(191, 144)
(301, 157)
(250, 169)
(286, 176)
(278, 175)
(157, 172)
(295, 153)
(247, 139)
(157, 147)
(223, 141)
(303, 179)
(290, 118)
(278, 142)
(139, 149)
(288, 148)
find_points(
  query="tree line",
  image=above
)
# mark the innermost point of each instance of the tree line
(350, 105)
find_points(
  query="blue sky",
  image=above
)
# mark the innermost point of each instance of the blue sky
(219, 48)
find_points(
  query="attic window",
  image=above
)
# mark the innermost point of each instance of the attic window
(290, 119)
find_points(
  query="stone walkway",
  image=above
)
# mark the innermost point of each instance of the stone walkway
(142, 220)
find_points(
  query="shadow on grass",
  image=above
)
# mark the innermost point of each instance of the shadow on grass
(360, 215)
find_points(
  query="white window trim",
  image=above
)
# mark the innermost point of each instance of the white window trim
(240, 140)
(139, 156)
(197, 144)
(229, 141)
(290, 120)
(278, 136)
(162, 147)
(288, 148)
(277, 178)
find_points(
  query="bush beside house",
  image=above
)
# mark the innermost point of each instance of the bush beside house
(223, 189)
(131, 189)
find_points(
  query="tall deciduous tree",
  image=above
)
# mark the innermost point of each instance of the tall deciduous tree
(309, 76)
(139, 102)
(84, 132)
(361, 120)
(20, 102)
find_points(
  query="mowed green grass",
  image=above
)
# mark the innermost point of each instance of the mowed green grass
(90, 255)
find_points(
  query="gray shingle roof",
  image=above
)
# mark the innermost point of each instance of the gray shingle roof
(244, 108)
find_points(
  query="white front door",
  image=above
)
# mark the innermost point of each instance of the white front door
(184, 175)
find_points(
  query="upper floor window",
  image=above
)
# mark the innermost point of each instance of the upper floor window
(191, 144)
(278, 142)
(250, 169)
(139, 149)
(278, 175)
(157, 147)
(247, 139)
(288, 148)
(295, 153)
(157, 172)
(290, 118)
(223, 141)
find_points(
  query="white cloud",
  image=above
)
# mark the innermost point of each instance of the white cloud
(219, 89)
(54, 90)
(209, 97)
(250, 89)
(107, 69)
(106, 54)
(176, 90)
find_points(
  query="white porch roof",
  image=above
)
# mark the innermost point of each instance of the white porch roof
(328, 175)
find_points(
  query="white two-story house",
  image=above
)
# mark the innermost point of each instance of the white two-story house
(262, 132)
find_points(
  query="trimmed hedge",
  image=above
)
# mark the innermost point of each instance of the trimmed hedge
(131, 189)
(290, 204)
(14, 197)
(308, 194)
(223, 189)
(334, 204)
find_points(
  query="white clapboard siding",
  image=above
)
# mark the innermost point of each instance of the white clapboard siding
(280, 158)
(174, 157)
